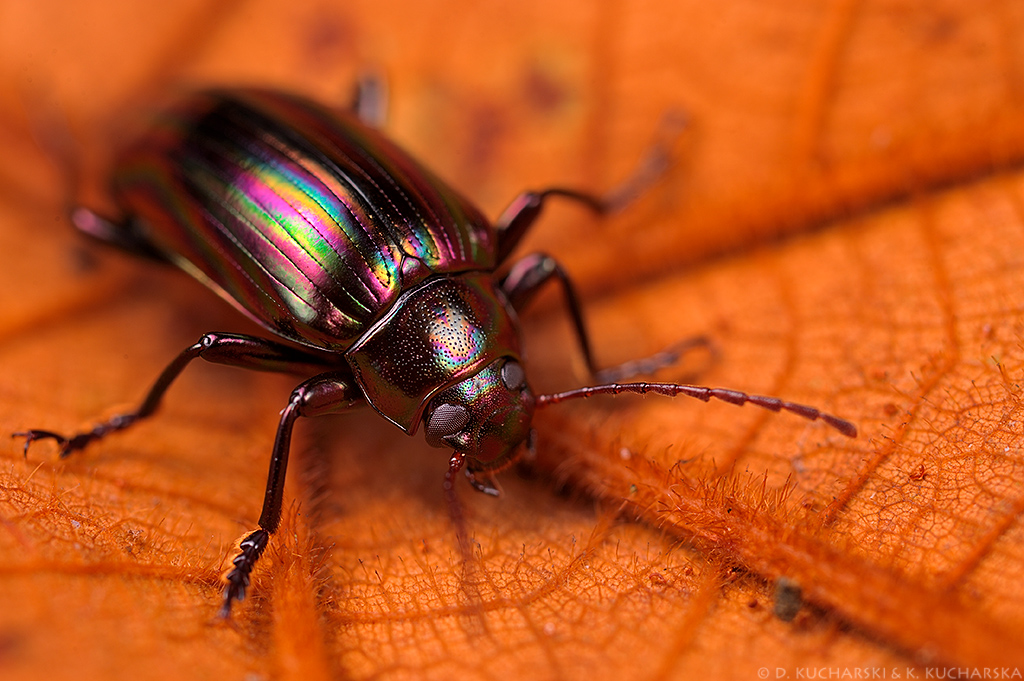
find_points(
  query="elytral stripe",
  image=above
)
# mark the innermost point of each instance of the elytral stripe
(233, 227)
(429, 236)
(342, 218)
(308, 216)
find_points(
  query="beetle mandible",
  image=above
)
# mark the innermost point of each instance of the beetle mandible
(381, 279)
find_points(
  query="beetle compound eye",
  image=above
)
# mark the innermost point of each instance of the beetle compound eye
(513, 376)
(447, 419)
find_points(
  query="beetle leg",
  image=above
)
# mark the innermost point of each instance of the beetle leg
(328, 393)
(248, 352)
(481, 475)
(122, 235)
(370, 100)
(659, 360)
(528, 275)
(524, 281)
(455, 465)
(526, 208)
(54, 135)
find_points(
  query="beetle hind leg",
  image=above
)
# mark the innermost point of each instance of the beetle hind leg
(124, 236)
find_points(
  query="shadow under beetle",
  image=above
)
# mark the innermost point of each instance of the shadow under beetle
(381, 277)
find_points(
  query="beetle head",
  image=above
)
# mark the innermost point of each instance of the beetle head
(486, 416)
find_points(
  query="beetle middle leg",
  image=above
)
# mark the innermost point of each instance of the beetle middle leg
(528, 275)
(248, 352)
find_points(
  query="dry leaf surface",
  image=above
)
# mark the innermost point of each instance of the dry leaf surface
(646, 539)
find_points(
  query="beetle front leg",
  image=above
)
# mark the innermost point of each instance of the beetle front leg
(248, 352)
(328, 393)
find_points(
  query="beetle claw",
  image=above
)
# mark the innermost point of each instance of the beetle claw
(237, 580)
(33, 435)
(67, 445)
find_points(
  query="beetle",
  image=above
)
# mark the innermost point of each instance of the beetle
(386, 287)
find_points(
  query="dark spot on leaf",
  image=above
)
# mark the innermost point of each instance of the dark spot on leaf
(542, 92)
(83, 260)
(484, 129)
(10, 643)
(789, 599)
(328, 39)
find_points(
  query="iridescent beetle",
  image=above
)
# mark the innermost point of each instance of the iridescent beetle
(381, 278)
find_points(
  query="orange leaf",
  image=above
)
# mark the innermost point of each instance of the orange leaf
(648, 539)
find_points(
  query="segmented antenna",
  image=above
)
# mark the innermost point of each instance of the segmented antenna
(705, 394)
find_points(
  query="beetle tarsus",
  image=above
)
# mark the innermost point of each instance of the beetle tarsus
(652, 166)
(251, 548)
(33, 435)
(652, 363)
(69, 445)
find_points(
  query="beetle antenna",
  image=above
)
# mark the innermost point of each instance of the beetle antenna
(705, 394)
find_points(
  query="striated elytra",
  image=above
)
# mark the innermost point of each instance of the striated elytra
(387, 287)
